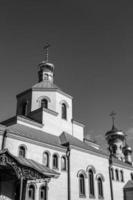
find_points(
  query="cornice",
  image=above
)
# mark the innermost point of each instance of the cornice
(53, 90)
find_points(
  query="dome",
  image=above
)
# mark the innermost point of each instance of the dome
(46, 66)
(127, 148)
(114, 132)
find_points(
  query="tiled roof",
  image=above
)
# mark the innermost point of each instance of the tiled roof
(35, 165)
(50, 139)
(31, 164)
(34, 134)
(65, 138)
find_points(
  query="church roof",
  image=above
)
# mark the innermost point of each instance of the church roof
(129, 184)
(28, 163)
(45, 84)
(43, 137)
(34, 134)
(67, 138)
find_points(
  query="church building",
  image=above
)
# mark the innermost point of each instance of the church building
(45, 154)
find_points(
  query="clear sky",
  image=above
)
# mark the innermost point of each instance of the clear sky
(91, 48)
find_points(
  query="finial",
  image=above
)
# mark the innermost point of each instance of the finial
(45, 48)
(113, 114)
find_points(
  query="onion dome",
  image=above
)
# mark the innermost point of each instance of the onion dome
(127, 149)
(115, 133)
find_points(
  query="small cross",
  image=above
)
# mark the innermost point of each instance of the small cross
(113, 114)
(45, 48)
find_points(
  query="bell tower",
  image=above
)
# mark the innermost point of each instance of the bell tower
(46, 69)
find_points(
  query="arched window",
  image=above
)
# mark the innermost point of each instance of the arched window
(122, 175)
(63, 163)
(112, 173)
(44, 103)
(55, 161)
(43, 193)
(22, 151)
(91, 183)
(117, 174)
(46, 159)
(24, 108)
(81, 185)
(64, 111)
(100, 187)
(31, 192)
(132, 176)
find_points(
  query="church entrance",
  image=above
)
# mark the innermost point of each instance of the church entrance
(9, 184)
(16, 171)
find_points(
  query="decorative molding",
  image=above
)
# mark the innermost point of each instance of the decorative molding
(81, 171)
(99, 175)
(91, 167)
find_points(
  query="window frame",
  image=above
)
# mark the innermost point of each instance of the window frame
(47, 154)
(82, 189)
(23, 155)
(44, 192)
(91, 183)
(57, 161)
(100, 188)
(63, 163)
(32, 195)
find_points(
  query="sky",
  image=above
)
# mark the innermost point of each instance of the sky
(91, 48)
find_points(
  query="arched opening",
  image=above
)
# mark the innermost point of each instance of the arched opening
(100, 187)
(91, 183)
(63, 163)
(46, 159)
(44, 103)
(122, 176)
(55, 161)
(117, 174)
(31, 192)
(43, 193)
(64, 111)
(81, 185)
(22, 151)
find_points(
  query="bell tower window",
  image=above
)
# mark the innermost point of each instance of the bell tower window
(64, 111)
(44, 103)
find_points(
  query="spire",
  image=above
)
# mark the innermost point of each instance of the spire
(46, 69)
(113, 114)
(46, 48)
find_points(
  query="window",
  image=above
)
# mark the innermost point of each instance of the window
(132, 176)
(122, 176)
(63, 163)
(43, 193)
(31, 192)
(46, 159)
(44, 103)
(64, 111)
(24, 108)
(55, 161)
(22, 151)
(81, 185)
(112, 173)
(100, 188)
(117, 174)
(91, 183)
